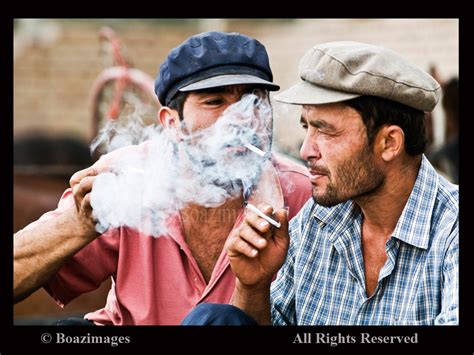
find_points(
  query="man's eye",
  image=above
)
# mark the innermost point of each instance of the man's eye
(305, 126)
(214, 102)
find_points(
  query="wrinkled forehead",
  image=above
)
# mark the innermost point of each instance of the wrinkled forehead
(336, 114)
(331, 109)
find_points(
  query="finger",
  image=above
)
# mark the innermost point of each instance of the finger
(239, 247)
(84, 187)
(265, 208)
(86, 203)
(104, 162)
(81, 174)
(257, 222)
(281, 235)
(282, 216)
(255, 240)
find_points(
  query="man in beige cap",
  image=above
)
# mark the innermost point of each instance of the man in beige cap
(378, 243)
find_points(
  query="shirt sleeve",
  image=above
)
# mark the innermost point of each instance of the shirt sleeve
(88, 268)
(282, 292)
(65, 202)
(450, 289)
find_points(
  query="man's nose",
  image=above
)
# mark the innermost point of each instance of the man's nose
(237, 97)
(309, 148)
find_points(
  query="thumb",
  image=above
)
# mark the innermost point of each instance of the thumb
(282, 233)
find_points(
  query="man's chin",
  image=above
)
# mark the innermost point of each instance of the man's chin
(231, 186)
(326, 201)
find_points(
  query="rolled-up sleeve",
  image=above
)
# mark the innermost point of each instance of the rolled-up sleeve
(88, 268)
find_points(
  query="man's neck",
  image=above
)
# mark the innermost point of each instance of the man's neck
(225, 214)
(206, 230)
(383, 208)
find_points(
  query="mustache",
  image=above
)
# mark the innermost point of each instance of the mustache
(254, 140)
(318, 168)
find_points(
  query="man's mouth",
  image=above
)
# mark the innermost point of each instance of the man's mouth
(239, 150)
(315, 175)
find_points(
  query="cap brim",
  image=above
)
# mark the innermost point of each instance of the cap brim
(305, 93)
(230, 79)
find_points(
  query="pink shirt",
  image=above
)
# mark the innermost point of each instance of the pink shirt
(156, 281)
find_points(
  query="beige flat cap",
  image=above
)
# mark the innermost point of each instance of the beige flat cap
(338, 71)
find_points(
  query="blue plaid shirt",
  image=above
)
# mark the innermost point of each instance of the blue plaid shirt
(322, 281)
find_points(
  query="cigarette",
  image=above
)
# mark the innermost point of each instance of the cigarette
(255, 149)
(263, 215)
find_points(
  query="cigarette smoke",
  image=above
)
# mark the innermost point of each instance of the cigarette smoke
(147, 182)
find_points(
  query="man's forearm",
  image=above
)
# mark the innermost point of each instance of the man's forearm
(253, 301)
(40, 251)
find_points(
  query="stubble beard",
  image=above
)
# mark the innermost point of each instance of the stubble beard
(357, 176)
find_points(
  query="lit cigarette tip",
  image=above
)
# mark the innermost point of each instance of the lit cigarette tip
(263, 215)
(255, 149)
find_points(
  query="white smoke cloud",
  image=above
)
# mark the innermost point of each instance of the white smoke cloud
(147, 183)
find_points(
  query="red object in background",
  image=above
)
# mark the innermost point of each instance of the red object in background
(113, 83)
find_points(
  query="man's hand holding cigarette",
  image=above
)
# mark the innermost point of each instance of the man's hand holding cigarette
(256, 251)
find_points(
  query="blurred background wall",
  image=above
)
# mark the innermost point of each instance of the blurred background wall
(56, 62)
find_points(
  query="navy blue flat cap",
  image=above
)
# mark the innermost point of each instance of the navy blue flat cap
(213, 59)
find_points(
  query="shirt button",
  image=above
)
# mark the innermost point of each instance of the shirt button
(195, 279)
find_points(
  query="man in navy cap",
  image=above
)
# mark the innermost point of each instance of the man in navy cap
(379, 242)
(159, 280)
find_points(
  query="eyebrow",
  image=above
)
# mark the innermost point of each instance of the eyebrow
(209, 91)
(317, 123)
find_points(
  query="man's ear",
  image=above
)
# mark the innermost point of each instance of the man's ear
(391, 142)
(168, 117)
(170, 121)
